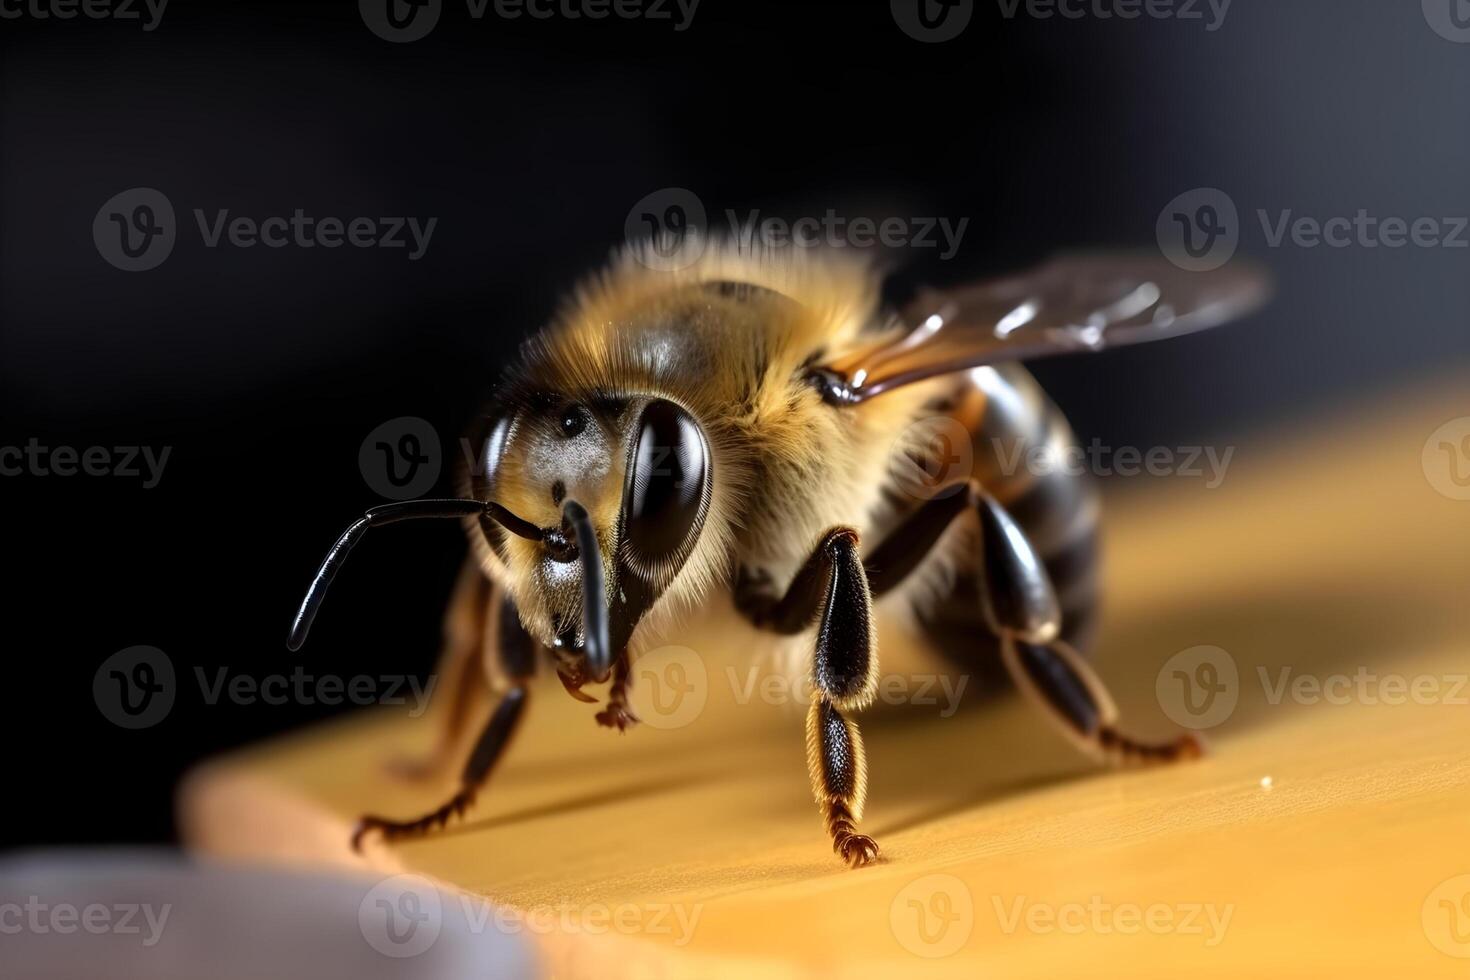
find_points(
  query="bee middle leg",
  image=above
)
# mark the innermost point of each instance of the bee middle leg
(833, 584)
(1020, 607)
(515, 657)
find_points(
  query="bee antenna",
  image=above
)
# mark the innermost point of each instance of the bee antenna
(594, 596)
(391, 514)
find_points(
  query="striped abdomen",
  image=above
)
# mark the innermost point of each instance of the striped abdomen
(1025, 455)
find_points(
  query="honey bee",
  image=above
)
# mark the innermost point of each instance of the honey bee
(703, 418)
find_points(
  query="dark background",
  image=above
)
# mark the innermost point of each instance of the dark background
(530, 141)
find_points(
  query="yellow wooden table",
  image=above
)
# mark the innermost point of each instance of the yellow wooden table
(1311, 610)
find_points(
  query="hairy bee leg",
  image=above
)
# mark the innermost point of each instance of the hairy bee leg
(618, 714)
(458, 670)
(844, 677)
(515, 662)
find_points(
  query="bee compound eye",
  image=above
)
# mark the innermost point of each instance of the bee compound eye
(666, 491)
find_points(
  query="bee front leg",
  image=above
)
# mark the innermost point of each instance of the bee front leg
(834, 585)
(515, 658)
(618, 714)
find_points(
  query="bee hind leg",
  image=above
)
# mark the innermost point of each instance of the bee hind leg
(1070, 694)
(1021, 608)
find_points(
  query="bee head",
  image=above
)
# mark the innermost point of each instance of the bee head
(617, 490)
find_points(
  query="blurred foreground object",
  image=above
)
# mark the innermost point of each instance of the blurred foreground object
(150, 914)
(1307, 613)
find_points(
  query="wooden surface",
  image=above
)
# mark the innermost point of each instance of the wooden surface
(1329, 834)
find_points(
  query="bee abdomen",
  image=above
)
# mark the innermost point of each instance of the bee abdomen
(1025, 455)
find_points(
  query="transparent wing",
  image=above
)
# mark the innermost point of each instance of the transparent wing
(1072, 303)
